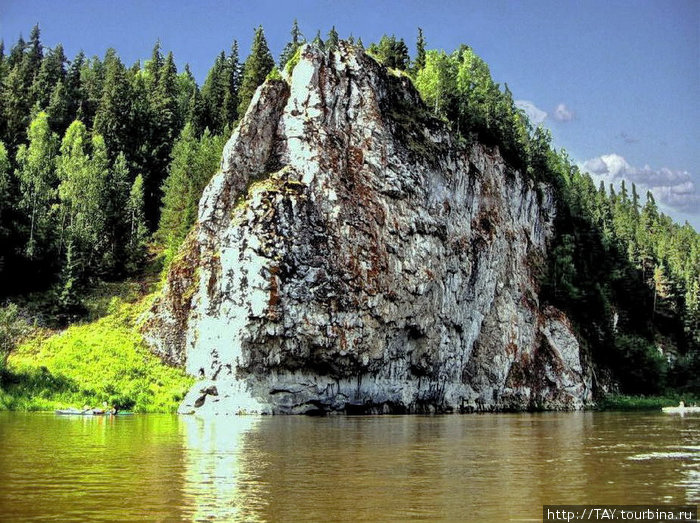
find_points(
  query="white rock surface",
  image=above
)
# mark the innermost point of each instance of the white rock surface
(351, 256)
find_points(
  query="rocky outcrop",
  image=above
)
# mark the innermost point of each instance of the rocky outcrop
(351, 255)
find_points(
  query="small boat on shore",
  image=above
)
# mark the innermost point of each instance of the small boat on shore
(681, 409)
(91, 412)
(79, 412)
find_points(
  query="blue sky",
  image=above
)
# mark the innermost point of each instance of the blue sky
(618, 81)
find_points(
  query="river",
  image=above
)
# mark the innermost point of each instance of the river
(495, 467)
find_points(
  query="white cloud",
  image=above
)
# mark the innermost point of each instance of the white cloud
(563, 114)
(534, 113)
(676, 189)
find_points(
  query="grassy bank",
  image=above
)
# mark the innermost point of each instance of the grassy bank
(103, 360)
(623, 402)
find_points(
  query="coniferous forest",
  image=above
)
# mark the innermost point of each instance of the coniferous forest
(102, 165)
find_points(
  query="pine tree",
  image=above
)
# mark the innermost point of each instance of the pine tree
(166, 125)
(291, 47)
(67, 303)
(232, 77)
(193, 163)
(74, 92)
(332, 40)
(17, 53)
(391, 52)
(139, 152)
(115, 206)
(51, 72)
(15, 109)
(154, 66)
(177, 189)
(419, 62)
(112, 117)
(186, 85)
(196, 112)
(214, 92)
(317, 42)
(59, 108)
(165, 102)
(36, 174)
(257, 66)
(34, 55)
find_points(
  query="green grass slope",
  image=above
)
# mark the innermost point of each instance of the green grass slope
(105, 360)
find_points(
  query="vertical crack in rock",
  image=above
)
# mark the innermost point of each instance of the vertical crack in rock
(351, 256)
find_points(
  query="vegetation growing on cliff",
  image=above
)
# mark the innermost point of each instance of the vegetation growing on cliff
(97, 159)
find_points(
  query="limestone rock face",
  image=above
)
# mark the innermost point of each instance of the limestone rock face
(352, 256)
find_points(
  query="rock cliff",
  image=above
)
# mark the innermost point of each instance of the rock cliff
(351, 255)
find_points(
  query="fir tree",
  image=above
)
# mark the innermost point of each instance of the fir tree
(332, 40)
(74, 94)
(214, 92)
(391, 52)
(117, 218)
(419, 62)
(232, 77)
(67, 303)
(59, 108)
(154, 66)
(291, 47)
(51, 72)
(34, 55)
(317, 42)
(257, 66)
(112, 117)
(194, 162)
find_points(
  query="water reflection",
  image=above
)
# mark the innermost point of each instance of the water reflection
(214, 466)
(486, 468)
(478, 467)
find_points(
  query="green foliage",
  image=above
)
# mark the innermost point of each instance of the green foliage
(391, 52)
(291, 48)
(12, 328)
(193, 163)
(645, 365)
(83, 182)
(138, 231)
(331, 43)
(5, 202)
(111, 118)
(274, 74)
(436, 82)
(419, 62)
(256, 69)
(317, 42)
(624, 402)
(293, 61)
(627, 275)
(104, 361)
(36, 174)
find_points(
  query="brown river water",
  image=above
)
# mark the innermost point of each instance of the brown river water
(491, 467)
